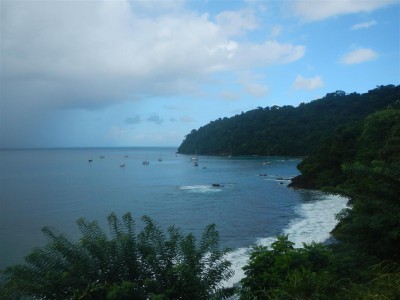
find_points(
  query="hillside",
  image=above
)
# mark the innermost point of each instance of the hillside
(372, 142)
(286, 130)
(361, 161)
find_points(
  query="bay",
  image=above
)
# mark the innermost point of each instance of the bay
(249, 204)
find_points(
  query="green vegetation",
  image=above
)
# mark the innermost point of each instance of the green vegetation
(286, 130)
(148, 265)
(362, 161)
(288, 273)
(371, 178)
(369, 142)
(317, 272)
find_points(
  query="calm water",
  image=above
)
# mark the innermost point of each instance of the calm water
(56, 187)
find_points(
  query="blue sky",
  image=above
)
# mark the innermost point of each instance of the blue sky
(145, 73)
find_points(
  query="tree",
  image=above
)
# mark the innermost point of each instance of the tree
(287, 130)
(285, 272)
(362, 162)
(125, 265)
(373, 183)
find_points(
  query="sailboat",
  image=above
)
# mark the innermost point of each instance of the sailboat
(194, 158)
(145, 162)
(160, 158)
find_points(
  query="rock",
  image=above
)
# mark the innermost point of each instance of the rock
(300, 182)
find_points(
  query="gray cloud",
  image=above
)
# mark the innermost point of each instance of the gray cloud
(83, 54)
(155, 118)
(230, 96)
(94, 54)
(133, 120)
(186, 119)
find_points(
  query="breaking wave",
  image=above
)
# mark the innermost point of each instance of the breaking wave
(315, 221)
(201, 188)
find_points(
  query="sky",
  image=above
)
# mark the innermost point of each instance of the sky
(122, 73)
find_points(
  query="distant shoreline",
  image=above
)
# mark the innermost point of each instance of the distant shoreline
(83, 148)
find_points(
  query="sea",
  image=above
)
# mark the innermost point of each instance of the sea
(246, 197)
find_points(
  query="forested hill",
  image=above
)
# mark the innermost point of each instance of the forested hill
(286, 130)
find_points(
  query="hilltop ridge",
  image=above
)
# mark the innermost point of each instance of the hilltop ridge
(287, 130)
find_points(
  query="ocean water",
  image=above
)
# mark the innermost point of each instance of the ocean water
(252, 203)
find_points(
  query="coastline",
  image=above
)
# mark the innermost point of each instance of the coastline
(316, 219)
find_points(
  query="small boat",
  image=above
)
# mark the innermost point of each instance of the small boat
(145, 163)
(160, 158)
(195, 158)
(122, 165)
(90, 160)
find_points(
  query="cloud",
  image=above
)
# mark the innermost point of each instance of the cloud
(312, 10)
(186, 119)
(250, 82)
(236, 22)
(155, 118)
(307, 83)
(269, 52)
(94, 54)
(276, 30)
(363, 25)
(230, 96)
(358, 56)
(256, 90)
(133, 120)
(117, 133)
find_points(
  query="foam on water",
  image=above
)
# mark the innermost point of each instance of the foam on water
(316, 220)
(200, 188)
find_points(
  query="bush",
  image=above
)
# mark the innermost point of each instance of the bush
(285, 272)
(148, 265)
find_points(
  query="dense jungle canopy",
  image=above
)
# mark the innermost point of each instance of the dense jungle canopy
(286, 130)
